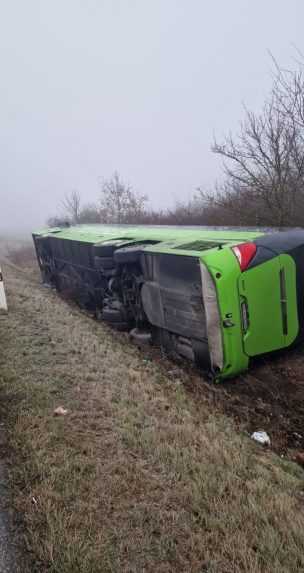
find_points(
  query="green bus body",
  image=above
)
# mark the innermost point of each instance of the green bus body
(186, 284)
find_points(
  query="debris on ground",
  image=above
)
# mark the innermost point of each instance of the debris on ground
(60, 411)
(261, 437)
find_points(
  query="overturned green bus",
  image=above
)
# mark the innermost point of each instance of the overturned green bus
(218, 298)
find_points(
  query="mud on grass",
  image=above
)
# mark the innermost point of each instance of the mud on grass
(270, 397)
(143, 474)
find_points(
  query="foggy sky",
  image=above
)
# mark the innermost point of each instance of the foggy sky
(138, 86)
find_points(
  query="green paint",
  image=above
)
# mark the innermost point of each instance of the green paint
(260, 287)
(225, 271)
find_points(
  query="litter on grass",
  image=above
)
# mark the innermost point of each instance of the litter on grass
(261, 437)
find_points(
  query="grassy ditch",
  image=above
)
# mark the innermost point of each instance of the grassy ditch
(138, 476)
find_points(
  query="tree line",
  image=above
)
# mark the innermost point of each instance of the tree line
(263, 168)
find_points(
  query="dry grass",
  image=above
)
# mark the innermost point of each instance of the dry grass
(138, 477)
(20, 253)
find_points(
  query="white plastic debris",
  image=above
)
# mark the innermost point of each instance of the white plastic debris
(261, 437)
(60, 411)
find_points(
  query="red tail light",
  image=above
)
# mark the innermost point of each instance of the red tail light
(244, 254)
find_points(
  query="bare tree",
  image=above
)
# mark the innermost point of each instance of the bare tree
(71, 205)
(289, 86)
(264, 163)
(119, 203)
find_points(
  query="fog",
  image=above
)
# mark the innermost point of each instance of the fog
(138, 86)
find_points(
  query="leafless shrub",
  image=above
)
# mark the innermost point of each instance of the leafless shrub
(119, 203)
(58, 221)
(89, 214)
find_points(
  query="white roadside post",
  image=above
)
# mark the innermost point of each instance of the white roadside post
(3, 303)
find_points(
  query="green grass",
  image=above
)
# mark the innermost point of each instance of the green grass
(139, 476)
